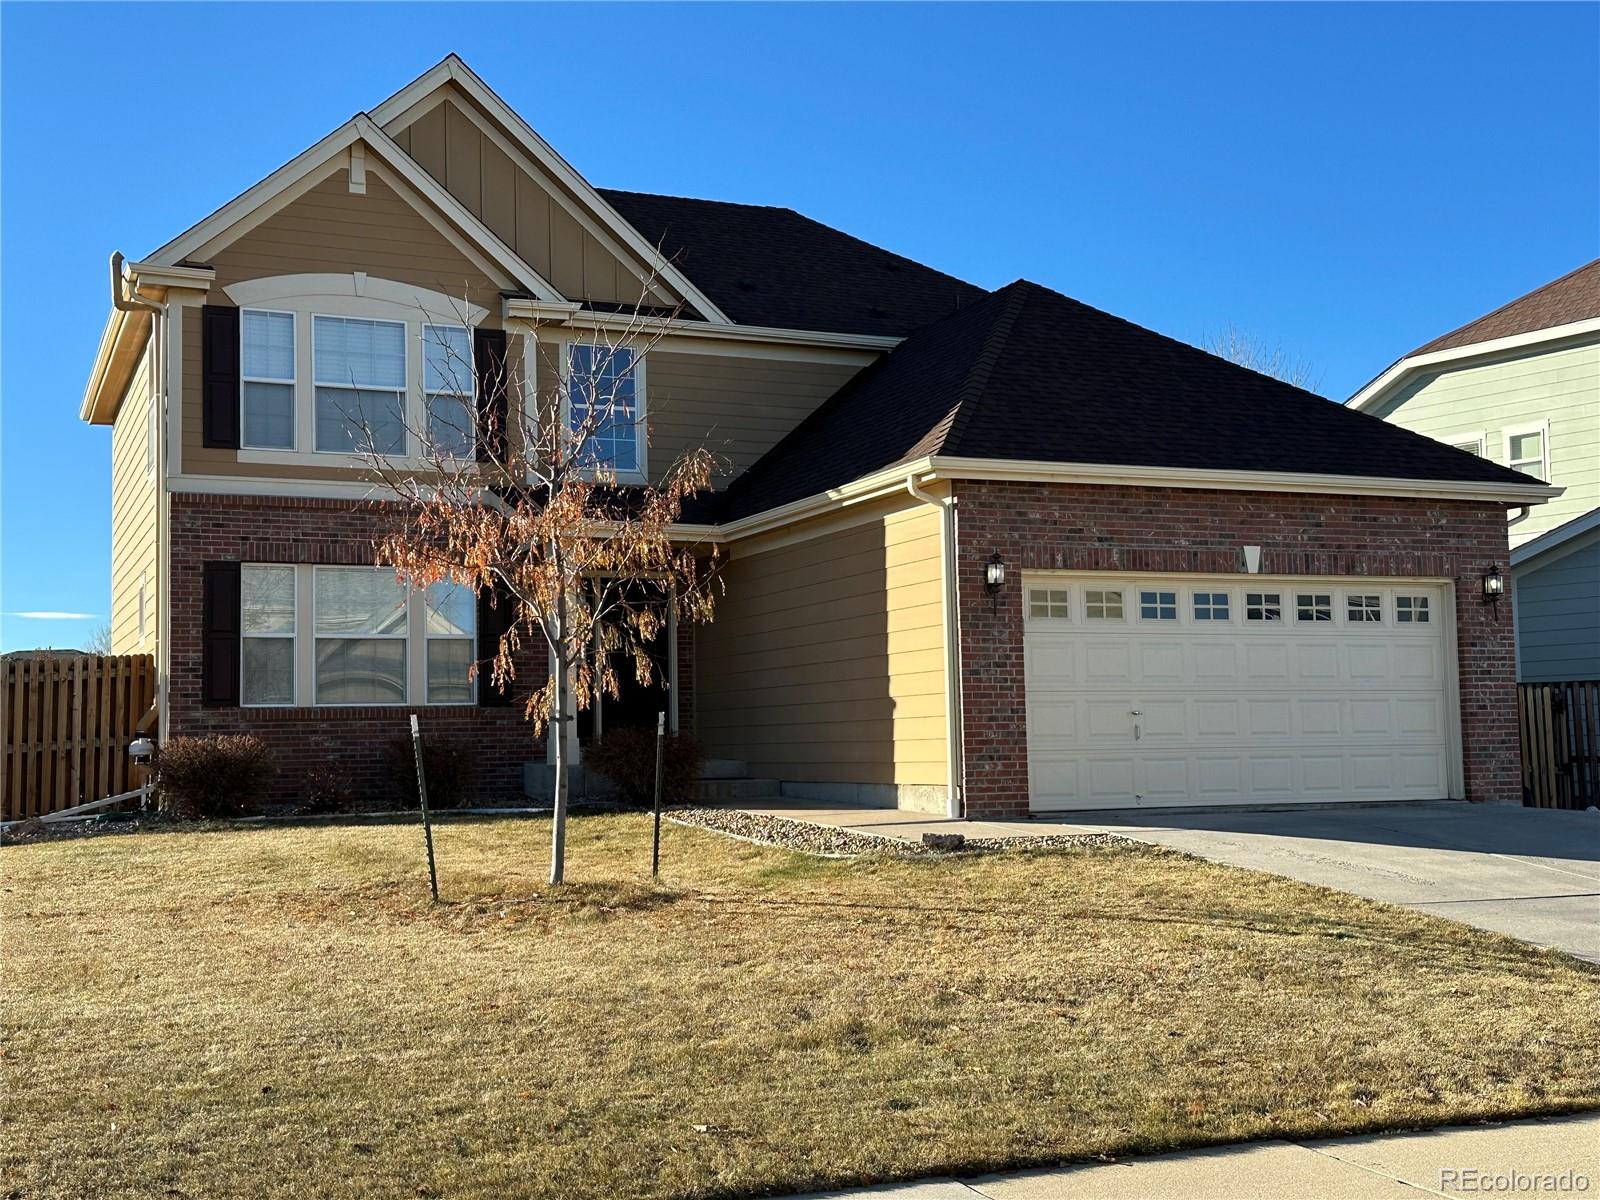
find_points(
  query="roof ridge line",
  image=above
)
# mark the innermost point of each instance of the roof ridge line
(1493, 312)
(977, 381)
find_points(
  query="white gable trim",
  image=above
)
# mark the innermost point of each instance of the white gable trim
(530, 146)
(328, 156)
(1375, 392)
(1555, 539)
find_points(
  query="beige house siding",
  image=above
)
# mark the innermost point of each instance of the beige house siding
(1515, 391)
(825, 664)
(530, 213)
(134, 517)
(328, 230)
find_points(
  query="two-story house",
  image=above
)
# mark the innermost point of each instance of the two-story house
(1521, 386)
(984, 552)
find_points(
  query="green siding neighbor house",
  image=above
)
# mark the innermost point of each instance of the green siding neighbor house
(1521, 386)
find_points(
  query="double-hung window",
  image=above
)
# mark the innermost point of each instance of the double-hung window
(447, 390)
(451, 625)
(605, 406)
(267, 628)
(266, 374)
(1525, 452)
(361, 623)
(360, 374)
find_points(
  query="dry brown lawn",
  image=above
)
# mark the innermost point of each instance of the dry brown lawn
(274, 1011)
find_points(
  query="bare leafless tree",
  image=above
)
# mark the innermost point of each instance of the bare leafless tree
(100, 639)
(1248, 350)
(530, 503)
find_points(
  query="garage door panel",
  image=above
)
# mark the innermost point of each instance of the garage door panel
(1174, 711)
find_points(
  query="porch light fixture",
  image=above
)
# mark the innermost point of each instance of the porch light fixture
(1494, 584)
(994, 573)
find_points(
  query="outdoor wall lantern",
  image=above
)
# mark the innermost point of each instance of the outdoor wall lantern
(1494, 585)
(994, 573)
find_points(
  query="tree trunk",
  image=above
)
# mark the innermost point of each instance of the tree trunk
(558, 730)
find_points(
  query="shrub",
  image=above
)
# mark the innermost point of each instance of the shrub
(627, 757)
(221, 776)
(325, 788)
(450, 766)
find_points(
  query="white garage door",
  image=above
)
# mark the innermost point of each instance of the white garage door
(1155, 692)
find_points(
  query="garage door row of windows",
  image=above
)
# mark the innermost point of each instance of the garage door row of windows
(1211, 605)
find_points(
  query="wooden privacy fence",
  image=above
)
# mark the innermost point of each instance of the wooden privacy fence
(67, 723)
(1560, 743)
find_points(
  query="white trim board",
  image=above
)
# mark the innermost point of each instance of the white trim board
(453, 70)
(1553, 539)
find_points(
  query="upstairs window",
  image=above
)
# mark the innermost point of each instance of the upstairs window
(266, 375)
(360, 374)
(1263, 606)
(1525, 452)
(447, 390)
(606, 403)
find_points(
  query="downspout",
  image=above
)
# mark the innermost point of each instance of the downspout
(1522, 515)
(954, 801)
(124, 299)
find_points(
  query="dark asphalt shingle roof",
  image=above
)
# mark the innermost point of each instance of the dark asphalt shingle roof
(1573, 297)
(776, 268)
(1026, 373)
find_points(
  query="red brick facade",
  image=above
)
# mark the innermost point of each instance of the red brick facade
(1091, 528)
(279, 529)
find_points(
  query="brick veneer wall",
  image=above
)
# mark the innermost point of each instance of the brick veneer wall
(279, 529)
(1172, 531)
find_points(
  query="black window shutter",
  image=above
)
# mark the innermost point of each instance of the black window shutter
(219, 369)
(493, 620)
(489, 362)
(219, 634)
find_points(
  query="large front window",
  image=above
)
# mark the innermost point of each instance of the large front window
(360, 372)
(606, 406)
(361, 636)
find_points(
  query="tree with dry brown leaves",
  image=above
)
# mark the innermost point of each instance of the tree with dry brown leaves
(524, 501)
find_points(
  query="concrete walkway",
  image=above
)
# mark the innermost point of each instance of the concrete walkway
(1544, 1159)
(1528, 872)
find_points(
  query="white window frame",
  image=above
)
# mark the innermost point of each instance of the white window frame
(1478, 437)
(1265, 602)
(1211, 617)
(469, 397)
(292, 637)
(1350, 608)
(1049, 593)
(1417, 609)
(313, 637)
(1542, 428)
(641, 401)
(1121, 592)
(1332, 605)
(293, 381)
(1158, 604)
(407, 407)
(472, 641)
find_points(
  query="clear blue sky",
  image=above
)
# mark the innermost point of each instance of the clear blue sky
(1347, 181)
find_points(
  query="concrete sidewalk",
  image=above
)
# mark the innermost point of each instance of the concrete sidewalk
(1544, 1159)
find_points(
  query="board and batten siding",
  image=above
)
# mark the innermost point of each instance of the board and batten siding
(530, 213)
(1558, 614)
(134, 516)
(825, 663)
(1561, 385)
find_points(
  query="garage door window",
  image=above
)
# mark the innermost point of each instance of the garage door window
(1211, 606)
(1102, 604)
(1313, 606)
(1158, 606)
(1411, 610)
(1263, 606)
(1363, 609)
(1049, 604)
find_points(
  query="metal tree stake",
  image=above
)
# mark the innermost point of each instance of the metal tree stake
(655, 848)
(422, 794)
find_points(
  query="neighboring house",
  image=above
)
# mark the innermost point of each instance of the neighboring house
(992, 552)
(1521, 386)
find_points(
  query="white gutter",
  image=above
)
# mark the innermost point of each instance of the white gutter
(953, 803)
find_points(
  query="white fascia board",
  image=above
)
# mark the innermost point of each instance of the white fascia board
(1249, 481)
(116, 321)
(454, 70)
(575, 315)
(1554, 539)
(1374, 392)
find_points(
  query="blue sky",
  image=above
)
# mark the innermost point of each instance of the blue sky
(1347, 181)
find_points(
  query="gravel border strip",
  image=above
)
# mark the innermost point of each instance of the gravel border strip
(828, 841)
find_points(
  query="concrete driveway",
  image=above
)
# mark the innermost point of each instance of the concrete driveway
(1532, 873)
